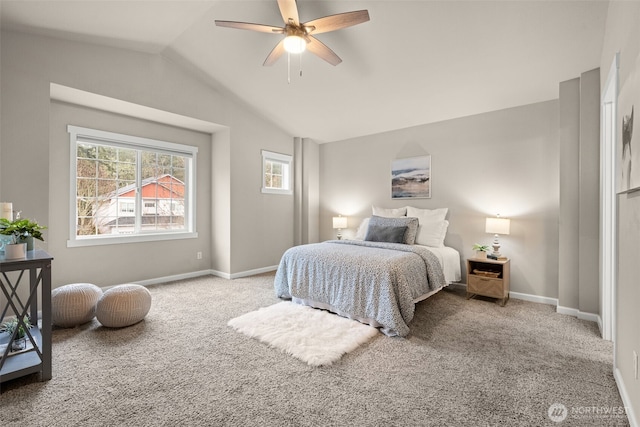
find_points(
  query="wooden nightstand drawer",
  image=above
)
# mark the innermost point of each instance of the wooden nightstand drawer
(486, 286)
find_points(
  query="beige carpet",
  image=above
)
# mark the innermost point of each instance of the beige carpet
(465, 363)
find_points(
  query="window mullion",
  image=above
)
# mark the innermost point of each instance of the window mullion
(187, 195)
(138, 198)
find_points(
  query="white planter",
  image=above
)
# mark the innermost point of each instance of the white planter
(481, 254)
(15, 251)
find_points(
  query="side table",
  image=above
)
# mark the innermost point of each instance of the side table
(488, 278)
(37, 356)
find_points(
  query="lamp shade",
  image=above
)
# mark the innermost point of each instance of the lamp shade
(498, 225)
(6, 210)
(339, 222)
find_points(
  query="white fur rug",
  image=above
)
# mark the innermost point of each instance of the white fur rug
(314, 336)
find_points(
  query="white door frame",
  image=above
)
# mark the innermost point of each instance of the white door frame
(608, 199)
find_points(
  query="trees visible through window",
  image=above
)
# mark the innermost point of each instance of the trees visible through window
(273, 174)
(276, 176)
(130, 186)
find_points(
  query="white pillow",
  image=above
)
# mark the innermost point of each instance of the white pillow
(362, 230)
(432, 227)
(388, 212)
(432, 234)
(427, 214)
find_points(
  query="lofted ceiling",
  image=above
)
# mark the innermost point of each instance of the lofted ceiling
(414, 62)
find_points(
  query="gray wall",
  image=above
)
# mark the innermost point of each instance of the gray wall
(246, 230)
(501, 162)
(569, 253)
(623, 35)
(589, 237)
(579, 201)
(306, 191)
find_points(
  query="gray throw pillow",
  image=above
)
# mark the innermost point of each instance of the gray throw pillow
(409, 222)
(378, 233)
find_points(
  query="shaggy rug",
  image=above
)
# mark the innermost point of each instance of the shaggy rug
(314, 336)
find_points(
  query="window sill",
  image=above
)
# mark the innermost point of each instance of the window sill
(276, 191)
(117, 240)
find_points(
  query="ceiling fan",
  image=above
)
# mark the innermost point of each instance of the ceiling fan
(300, 36)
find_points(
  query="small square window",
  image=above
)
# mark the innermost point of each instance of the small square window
(276, 173)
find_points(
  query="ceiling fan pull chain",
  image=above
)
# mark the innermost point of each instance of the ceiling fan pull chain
(301, 65)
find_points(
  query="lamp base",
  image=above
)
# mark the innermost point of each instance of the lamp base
(496, 247)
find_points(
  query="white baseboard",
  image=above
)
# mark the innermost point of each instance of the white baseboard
(220, 274)
(169, 278)
(534, 298)
(521, 296)
(626, 400)
(254, 272)
(582, 315)
(204, 273)
(244, 273)
(549, 301)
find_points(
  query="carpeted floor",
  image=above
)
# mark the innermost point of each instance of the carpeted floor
(465, 363)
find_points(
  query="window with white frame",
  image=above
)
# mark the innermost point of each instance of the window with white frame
(276, 173)
(126, 188)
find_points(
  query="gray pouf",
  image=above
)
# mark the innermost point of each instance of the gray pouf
(123, 305)
(74, 304)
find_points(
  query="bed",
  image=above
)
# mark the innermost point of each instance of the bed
(374, 282)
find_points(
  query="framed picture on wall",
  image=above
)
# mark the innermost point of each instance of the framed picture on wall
(411, 178)
(628, 141)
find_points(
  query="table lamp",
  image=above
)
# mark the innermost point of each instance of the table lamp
(497, 226)
(339, 222)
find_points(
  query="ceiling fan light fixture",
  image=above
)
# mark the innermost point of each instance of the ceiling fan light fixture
(299, 34)
(294, 44)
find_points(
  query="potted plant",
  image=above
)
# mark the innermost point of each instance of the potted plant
(22, 230)
(14, 249)
(19, 341)
(481, 250)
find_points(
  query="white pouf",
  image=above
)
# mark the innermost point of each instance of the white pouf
(123, 305)
(74, 304)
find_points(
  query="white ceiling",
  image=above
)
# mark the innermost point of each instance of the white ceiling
(414, 62)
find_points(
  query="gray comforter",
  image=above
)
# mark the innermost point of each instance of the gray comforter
(369, 281)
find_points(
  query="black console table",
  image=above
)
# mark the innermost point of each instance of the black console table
(36, 358)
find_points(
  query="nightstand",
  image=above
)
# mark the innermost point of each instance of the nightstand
(489, 278)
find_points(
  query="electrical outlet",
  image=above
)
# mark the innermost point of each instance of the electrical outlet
(199, 255)
(635, 364)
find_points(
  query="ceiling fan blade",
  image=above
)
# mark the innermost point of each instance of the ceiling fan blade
(318, 48)
(336, 22)
(289, 10)
(249, 26)
(275, 54)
